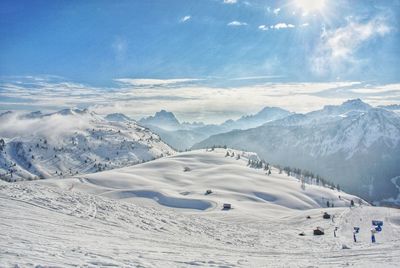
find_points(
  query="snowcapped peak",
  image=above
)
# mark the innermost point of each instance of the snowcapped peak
(349, 107)
(267, 114)
(165, 114)
(33, 115)
(268, 111)
(71, 111)
(356, 104)
(6, 113)
(162, 119)
(118, 117)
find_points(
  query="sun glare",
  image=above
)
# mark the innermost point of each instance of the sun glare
(310, 6)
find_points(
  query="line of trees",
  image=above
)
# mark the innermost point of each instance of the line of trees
(305, 176)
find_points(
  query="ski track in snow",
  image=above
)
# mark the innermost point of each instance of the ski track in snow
(74, 223)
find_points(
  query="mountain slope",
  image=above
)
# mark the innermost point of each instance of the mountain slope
(357, 148)
(71, 142)
(156, 214)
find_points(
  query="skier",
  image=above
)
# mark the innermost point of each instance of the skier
(373, 231)
(334, 231)
(356, 230)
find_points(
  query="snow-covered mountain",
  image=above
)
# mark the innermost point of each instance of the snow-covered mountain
(160, 214)
(118, 117)
(353, 144)
(162, 119)
(184, 135)
(266, 115)
(71, 141)
(392, 107)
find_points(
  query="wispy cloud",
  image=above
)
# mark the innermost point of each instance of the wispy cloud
(230, 1)
(120, 47)
(257, 77)
(282, 25)
(263, 27)
(337, 47)
(237, 23)
(276, 11)
(185, 18)
(153, 82)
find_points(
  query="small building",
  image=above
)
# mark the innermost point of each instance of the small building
(319, 231)
(227, 206)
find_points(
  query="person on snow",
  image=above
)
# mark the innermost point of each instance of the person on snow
(334, 231)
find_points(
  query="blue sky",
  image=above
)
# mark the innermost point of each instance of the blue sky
(220, 43)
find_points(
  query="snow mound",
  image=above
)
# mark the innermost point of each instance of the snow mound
(181, 181)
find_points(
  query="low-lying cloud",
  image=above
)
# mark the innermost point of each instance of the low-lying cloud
(190, 99)
(51, 127)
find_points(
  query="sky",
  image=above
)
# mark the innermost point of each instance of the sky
(205, 60)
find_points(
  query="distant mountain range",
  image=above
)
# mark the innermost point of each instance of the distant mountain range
(353, 144)
(183, 136)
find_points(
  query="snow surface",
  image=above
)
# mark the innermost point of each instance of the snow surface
(157, 214)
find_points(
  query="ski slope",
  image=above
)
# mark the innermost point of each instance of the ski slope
(156, 214)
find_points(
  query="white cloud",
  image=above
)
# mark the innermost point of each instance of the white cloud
(263, 27)
(276, 11)
(337, 47)
(53, 127)
(282, 25)
(190, 99)
(185, 18)
(237, 23)
(380, 89)
(230, 1)
(304, 24)
(153, 82)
